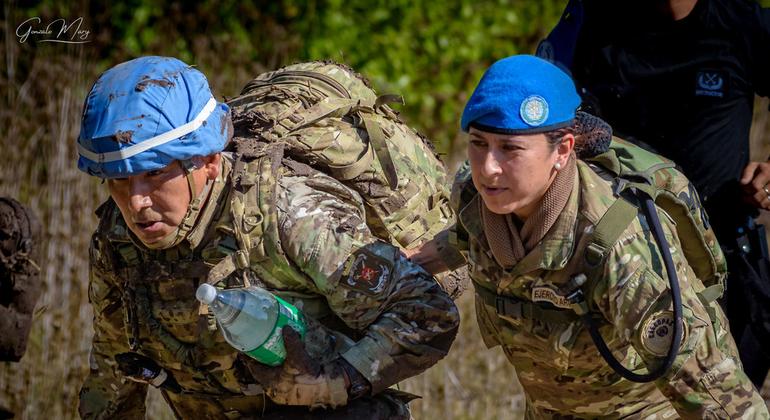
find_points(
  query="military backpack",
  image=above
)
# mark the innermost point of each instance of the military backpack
(633, 167)
(325, 115)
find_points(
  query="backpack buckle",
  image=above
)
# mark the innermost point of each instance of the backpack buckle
(507, 307)
(619, 187)
(594, 254)
(575, 294)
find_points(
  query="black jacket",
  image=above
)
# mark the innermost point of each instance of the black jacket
(686, 88)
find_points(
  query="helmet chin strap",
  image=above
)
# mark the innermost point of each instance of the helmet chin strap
(193, 210)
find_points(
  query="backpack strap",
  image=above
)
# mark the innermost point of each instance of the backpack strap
(246, 212)
(352, 170)
(377, 137)
(328, 107)
(608, 230)
(377, 140)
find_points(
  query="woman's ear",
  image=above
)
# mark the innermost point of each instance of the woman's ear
(565, 148)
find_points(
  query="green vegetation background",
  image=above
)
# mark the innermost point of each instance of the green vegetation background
(431, 52)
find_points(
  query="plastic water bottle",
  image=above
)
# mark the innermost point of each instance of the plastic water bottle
(251, 320)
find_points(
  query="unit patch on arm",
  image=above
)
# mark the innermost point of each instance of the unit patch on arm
(367, 272)
(658, 333)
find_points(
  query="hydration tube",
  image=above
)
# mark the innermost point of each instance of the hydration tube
(648, 206)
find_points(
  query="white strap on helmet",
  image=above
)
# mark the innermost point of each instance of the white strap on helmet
(154, 141)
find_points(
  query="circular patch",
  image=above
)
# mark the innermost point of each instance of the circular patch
(534, 110)
(658, 333)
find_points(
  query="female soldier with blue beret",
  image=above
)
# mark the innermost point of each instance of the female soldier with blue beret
(528, 217)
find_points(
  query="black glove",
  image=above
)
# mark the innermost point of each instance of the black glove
(142, 369)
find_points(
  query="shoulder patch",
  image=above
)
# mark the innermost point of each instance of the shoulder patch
(658, 333)
(367, 272)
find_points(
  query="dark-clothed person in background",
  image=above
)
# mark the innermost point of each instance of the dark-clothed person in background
(679, 77)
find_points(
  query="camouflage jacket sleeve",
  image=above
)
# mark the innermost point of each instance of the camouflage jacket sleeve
(706, 380)
(105, 392)
(408, 321)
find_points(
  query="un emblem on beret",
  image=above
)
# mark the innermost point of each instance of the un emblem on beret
(534, 110)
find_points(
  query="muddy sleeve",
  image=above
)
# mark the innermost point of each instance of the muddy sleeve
(105, 392)
(408, 322)
(16, 318)
(706, 379)
(20, 283)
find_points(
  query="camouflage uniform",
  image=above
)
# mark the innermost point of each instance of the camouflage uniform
(557, 363)
(305, 241)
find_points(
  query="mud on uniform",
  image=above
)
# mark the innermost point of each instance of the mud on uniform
(309, 244)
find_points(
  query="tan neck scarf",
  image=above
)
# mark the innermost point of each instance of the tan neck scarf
(508, 243)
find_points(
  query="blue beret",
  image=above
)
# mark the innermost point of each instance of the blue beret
(143, 114)
(521, 94)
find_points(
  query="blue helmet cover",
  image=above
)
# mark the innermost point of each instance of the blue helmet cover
(139, 100)
(521, 94)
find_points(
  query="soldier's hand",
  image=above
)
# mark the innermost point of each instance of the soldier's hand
(754, 180)
(300, 380)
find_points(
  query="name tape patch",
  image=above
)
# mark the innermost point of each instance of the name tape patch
(546, 294)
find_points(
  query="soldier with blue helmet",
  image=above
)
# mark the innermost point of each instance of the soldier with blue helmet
(182, 212)
(568, 259)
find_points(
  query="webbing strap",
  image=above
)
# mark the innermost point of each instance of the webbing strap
(237, 260)
(411, 233)
(129, 253)
(609, 228)
(711, 293)
(377, 140)
(388, 98)
(325, 108)
(347, 172)
(514, 307)
(609, 161)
